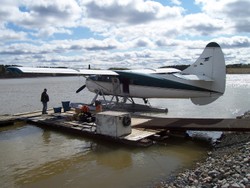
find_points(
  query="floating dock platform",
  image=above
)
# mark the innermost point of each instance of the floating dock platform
(63, 122)
(144, 129)
(197, 124)
(138, 137)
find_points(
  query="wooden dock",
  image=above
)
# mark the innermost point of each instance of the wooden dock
(11, 119)
(144, 128)
(63, 122)
(138, 137)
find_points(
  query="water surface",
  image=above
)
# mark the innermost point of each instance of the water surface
(35, 157)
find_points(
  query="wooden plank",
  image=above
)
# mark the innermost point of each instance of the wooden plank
(137, 135)
(34, 113)
(6, 120)
(40, 118)
(204, 124)
(39, 113)
(139, 120)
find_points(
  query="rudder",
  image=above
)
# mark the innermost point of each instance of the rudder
(211, 63)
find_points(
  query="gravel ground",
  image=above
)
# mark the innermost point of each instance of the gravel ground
(227, 165)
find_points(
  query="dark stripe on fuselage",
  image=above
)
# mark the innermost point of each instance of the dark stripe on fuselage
(152, 80)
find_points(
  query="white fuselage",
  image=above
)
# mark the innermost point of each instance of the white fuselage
(183, 89)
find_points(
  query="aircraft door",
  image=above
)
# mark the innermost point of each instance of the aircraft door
(116, 86)
(125, 85)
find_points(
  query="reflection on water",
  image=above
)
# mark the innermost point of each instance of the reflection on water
(35, 157)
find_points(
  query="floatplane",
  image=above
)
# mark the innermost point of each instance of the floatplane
(203, 81)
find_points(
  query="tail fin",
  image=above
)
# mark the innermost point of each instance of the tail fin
(211, 64)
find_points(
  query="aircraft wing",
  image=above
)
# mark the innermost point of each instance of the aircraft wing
(141, 71)
(86, 72)
(42, 70)
(154, 71)
(38, 70)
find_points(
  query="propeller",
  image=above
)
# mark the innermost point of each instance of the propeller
(81, 88)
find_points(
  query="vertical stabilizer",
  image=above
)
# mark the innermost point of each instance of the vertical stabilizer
(211, 64)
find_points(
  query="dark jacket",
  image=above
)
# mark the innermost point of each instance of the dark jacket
(44, 97)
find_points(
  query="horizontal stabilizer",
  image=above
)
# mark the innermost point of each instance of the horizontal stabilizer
(97, 72)
(204, 100)
(193, 77)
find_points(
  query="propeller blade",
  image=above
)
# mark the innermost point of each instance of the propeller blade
(80, 89)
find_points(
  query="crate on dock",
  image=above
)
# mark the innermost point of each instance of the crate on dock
(113, 123)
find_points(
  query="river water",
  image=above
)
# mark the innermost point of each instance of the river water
(35, 157)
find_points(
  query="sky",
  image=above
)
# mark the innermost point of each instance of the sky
(121, 33)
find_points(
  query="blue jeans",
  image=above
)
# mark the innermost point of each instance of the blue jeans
(44, 108)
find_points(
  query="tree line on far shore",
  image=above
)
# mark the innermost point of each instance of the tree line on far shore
(182, 67)
(234, 67)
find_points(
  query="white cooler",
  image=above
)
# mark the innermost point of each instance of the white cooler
(113, 123)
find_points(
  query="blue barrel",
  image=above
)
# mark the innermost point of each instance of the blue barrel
(58, 110)
(66, 106)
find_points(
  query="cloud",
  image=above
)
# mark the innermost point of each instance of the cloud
(130, 12)
(176, 2)
(95, 45)
(201, 24)
(235, 42)
(10, 35)
(239, 14)
(49, 16)
(50, 31)
(233, 12)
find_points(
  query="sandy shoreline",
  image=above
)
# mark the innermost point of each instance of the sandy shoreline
(227, 165)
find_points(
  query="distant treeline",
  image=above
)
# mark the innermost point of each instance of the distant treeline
(182, 67)
(238, 66)
(231, 69)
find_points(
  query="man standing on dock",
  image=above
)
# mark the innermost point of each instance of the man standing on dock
(44, 100)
